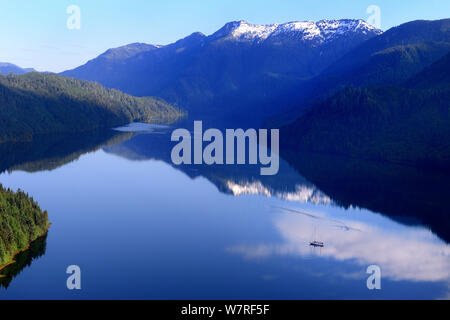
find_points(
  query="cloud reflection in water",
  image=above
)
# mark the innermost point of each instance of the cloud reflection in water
(410, 253)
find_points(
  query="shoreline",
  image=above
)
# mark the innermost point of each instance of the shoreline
(22, 250)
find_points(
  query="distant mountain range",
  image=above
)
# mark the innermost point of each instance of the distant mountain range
(7, 68)
(338, 86)
(234, 72)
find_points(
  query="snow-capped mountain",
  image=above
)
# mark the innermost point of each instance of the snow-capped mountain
(239, 65)
(320, 31)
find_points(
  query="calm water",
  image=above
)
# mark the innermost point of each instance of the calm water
(140, 228)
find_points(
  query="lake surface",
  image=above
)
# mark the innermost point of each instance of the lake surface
(142, 228)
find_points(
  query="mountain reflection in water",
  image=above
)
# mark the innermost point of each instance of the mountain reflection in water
(403, 193)
(364, 213)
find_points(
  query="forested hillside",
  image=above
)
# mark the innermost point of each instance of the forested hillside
(386, 60)
(21, 222)
(234, 73)
(37, 103)
(409, 124)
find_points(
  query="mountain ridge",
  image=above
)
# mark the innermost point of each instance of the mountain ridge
(322, 29)
(388, 59)
(7, 68)
(233, 70)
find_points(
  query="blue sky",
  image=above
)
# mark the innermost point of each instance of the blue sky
(34, 32)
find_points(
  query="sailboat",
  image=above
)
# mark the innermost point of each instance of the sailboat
(316, 243)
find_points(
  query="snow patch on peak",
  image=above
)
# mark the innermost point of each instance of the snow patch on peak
(344, 26)
(253, 31)
(309, 29)
(298, 25)
(321, 31)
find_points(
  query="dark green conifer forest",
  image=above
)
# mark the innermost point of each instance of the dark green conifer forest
(21, 222)
(39, 103)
